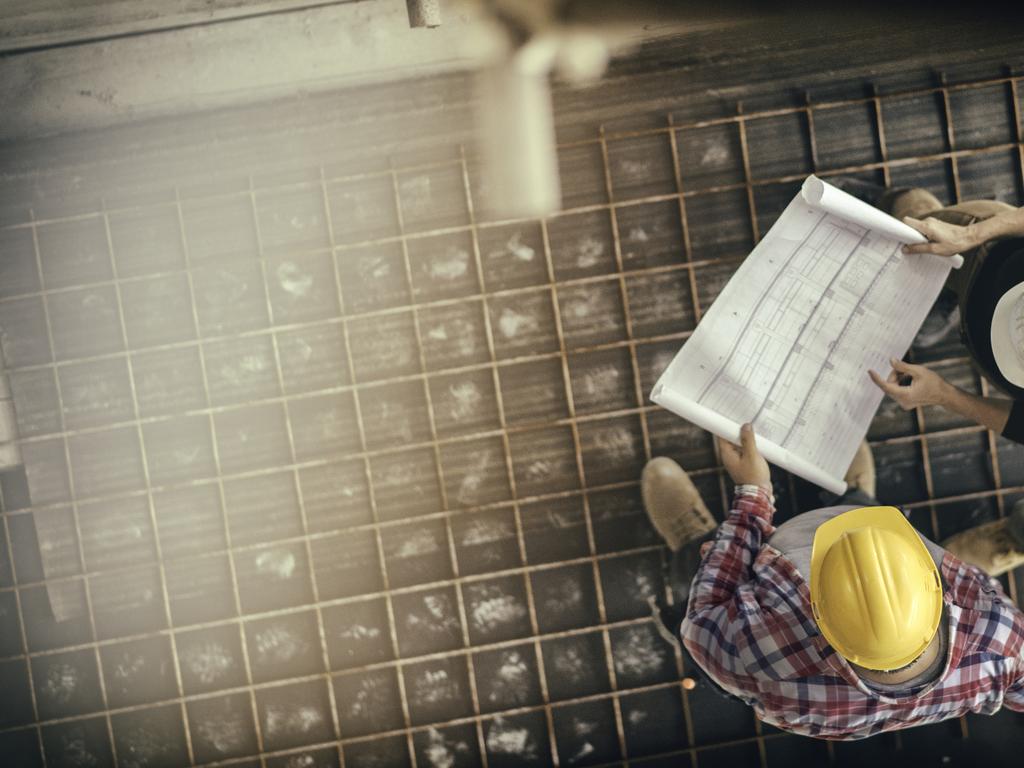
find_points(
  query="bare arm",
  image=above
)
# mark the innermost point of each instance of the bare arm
(947, 239)
(926, 387)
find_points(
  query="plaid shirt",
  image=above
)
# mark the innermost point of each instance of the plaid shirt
(749, 626)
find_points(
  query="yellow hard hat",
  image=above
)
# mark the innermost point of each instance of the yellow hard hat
(875, 591)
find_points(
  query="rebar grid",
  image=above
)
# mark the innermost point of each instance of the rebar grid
(573, 421)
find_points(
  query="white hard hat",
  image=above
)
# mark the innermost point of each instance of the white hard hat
(1007, 335)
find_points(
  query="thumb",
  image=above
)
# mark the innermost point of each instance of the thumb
(747, 440)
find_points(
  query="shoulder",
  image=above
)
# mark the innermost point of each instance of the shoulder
(989, 619)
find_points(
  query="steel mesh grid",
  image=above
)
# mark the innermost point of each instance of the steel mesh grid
(573, 421)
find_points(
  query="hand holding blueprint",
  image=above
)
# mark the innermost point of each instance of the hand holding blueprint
(826, 295)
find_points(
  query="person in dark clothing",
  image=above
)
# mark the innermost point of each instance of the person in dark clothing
(987, 302)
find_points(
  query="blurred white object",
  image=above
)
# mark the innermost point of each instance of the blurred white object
(517, 136)
(424, 13)
(10, 454)
(527, 41)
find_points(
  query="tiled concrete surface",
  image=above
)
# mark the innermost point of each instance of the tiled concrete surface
(326, 464)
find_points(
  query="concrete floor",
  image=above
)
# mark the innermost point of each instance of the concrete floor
(322, 462)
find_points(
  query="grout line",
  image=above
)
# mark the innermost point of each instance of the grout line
(645, 436)
(150, 504)
(23, 633)
(378, 538)
(221, 495)
(86, 586)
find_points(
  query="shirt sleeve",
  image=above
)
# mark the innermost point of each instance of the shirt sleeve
(1014, 698)
(1014, 429)
(722, 599)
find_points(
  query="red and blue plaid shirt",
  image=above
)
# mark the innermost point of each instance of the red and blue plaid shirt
(749, 626)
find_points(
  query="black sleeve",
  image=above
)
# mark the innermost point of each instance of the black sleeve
(1014, 429)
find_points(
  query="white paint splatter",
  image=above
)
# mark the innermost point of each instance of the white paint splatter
(539, 469)
(581, 306)
(61, 683)
(186, 456)
(642, 583)
(415, 195)
(279, 563)
(568, 661)
(511, 684)
(304, 349)
(512, 323)
(616, 443)
(225, 732)
(494, 609)
(638, 235)
(300, 761)
(715, 153)
(466, 399)
(293, 280)
(442, 753)
(503, 738)
(373, 268)
(636, 717)
(439, 617)
(432, 686)
(561, 520)
(481, 532)
(588, 252)
(128, 666)
(634, 167)
(639, 655)
(208, 662)
(517, 248)
(421, 543)
(291, 719)
(585, 751)
(583, 727)
(454, 265)
(567, 596)
(601, 381)
(438, 333)
(371, 692)
(360, 633)
(473, 480)
(277, 644)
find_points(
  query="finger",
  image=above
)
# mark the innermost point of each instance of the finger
(747, 440)
(727, 449)
(904, 367)
(919, 248)
(890, 388)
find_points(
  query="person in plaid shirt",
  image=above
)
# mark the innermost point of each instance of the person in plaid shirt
(945, 642)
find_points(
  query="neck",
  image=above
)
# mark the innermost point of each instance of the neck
(909, 672)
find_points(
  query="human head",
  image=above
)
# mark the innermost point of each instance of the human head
(876, 594)
(1007, 335)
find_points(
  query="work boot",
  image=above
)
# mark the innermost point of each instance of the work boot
(861, 473)
(673, 503)
(995, 547)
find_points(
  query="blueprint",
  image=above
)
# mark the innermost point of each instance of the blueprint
(826, 295)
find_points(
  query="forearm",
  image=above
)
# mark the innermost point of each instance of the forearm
(1006, 224)
(729, 561)
(990, 412)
